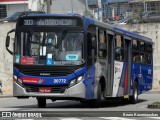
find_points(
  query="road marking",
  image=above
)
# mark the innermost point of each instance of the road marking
(157, 118)
(70, 119)
(116, 118)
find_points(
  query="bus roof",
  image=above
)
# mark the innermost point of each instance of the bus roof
(119, 30)
(96, 22)
(132, 34)
(47, 15)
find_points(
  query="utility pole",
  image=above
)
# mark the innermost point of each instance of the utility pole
(100, 10)
(48, 6)
(72, 6)
(86, 7)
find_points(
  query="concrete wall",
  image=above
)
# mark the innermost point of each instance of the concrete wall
(16, 8)
(66, 6)
(6, 61)
(149, 30)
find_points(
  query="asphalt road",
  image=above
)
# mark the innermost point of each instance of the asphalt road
(75, 110)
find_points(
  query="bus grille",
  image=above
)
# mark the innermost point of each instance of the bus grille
(54, 89)
(39, 70)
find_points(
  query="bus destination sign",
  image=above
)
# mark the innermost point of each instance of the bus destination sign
(50, 22)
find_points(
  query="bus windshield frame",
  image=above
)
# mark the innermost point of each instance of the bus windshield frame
(41, 33)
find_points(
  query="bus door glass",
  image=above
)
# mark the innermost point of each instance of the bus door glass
(110, 62)
(119, 66)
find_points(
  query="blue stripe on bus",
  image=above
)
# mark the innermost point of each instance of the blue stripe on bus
(49, 80)
(89, 82)
(145, 78)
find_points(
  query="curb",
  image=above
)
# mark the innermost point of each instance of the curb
(6, 96)
(153, 92)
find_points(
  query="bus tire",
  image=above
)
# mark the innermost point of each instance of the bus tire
(82, 101)
(97, 102)
(41, 102)
(134, 97)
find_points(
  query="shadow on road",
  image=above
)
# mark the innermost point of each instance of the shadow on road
(105, 104)
(77, 104)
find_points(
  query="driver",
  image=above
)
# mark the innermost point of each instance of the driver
(51, 42)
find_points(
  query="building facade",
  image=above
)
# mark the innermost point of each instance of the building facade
(129, 7)
(8, 7)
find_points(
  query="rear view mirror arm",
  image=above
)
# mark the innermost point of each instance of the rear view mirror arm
(13, 30)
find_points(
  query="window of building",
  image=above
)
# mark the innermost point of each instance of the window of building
(3, 12)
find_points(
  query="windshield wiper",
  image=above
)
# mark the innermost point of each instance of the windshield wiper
(61, 39)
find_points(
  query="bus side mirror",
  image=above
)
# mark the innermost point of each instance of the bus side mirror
(7, 41)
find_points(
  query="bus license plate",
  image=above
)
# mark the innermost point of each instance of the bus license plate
(45, 90)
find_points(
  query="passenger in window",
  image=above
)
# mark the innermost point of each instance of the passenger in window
(142, 58)
(51, 42)
(136, 57)
(118, 54)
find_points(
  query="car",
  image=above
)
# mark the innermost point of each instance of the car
(129, 20)
(16, 15)
(151, 16)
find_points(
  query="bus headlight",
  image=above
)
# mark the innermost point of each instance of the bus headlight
(72, 83)
(79, 79)
(75, 81)
(19, 80)
(14, 77)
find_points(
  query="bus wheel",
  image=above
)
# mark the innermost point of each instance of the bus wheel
(134, 97)
(97, 102)
(82, 101)
(41, 102)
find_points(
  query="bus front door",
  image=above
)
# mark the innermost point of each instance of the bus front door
(122, 67)
(110, 69)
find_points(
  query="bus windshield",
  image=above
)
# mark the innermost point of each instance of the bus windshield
(49, 48)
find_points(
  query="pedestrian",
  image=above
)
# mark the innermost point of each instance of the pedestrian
(116, 18)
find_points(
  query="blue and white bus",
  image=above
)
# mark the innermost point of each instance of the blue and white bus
(73, 57)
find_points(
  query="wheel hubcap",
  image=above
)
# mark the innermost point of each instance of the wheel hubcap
(136, 94)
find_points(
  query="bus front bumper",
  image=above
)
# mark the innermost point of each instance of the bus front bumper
(76, 91)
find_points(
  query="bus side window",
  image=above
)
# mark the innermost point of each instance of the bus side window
(119, 48)
(102, 50)
(149, 53)
(143, 58)
(135, 54)
(142, 46)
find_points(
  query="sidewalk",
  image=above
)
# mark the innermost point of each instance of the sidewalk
(153, 91)
(5, 96)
